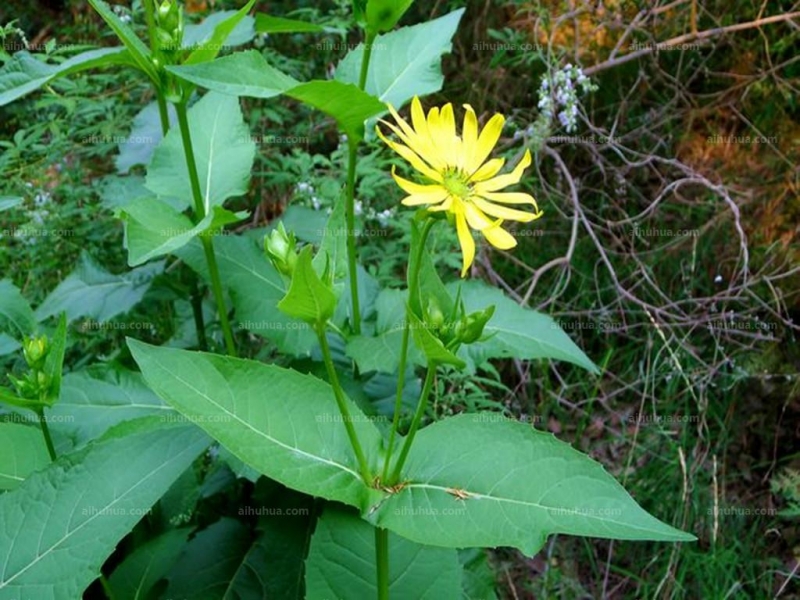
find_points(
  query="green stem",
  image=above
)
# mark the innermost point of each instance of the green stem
(162, 112)
(421, 406)
(382, 562)
(51, 450)
(342, 403)
(368, 43)
(200, 213)
(350, 203)
(350, 218)
(401, 377)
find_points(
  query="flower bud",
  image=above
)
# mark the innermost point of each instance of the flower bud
(473, 324)
(280, 248)
(35, 350)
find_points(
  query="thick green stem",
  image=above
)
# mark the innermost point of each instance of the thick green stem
(413, 277)
(421, 406)
(51, 450)
(350, 218)
(200, 213)
(382, 562)
(350, 202)
(342, 404)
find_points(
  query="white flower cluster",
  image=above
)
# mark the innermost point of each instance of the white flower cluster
(559, 92)
(383, 217)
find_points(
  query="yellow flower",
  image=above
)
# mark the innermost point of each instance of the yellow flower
(462, 182)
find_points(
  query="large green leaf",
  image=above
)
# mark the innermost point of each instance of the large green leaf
(341, 563)
(95, 399)
(516, 331)
(404, 63)
(256, 288)
(249, 74)
(89, 291)
(242, 74)
(140, 53)
(282, 423)
(141, 570)
(223, 150)
(16, 314)
(62, 523)
(474, 481)
(23, 452)
(24, 73)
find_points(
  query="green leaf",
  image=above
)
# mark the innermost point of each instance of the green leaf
(269, 24)
(24, 452)
(346, 103)
(89, 291)
(382, 15)
(518, 486)
(273, 566)
(9, 202)
(209, 561)
(153, 228)
(308, 298)
(404, 63)
(223, 150)
(144, 567)
(95, 399)
(242, 74)
(140, 53)
(24, 73)
(196, 35)
(8, 344)
(255, 288)
(54, 363)
(307, 224)
(15, 313)
(208, 49)
(145, 135)
(62, 523)
(478, 579)
(517, 332)
(249, 74)
(341, 563)
(278, 421)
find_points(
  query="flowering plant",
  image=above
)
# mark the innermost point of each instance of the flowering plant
(388, 491)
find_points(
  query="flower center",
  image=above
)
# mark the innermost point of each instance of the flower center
(455, 182)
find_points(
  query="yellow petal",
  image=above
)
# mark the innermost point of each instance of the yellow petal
(475, 218)
(411, 157)
(486, 142)
(502, 181)
(418, 118)
(488, 169)
(445, 206)
(509, 198)
(502, 212)
(411, 187)
(435, 197)
(466, 241)
(420, 145)
(499, 237)
(442, 130)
